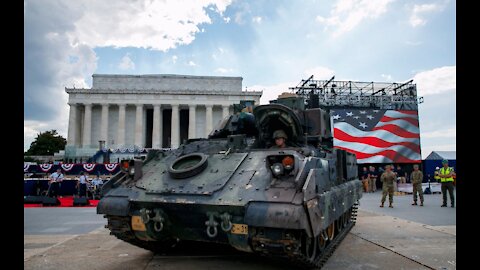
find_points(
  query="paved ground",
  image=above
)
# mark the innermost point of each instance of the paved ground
(431, 213)
(74, 238)
(61, 220)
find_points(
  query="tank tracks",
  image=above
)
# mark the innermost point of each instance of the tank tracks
(120, 227)
(318, 262)
(303, 261)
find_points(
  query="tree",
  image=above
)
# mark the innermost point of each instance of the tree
(46, 144)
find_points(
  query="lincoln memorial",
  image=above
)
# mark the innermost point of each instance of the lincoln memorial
(148, 111)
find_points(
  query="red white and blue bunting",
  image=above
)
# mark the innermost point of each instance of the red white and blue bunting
(45, 167)
(110, 167)
(124, 149)
(67, 167)
(89, 166)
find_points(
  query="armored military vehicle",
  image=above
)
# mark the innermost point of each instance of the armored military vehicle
(233, 188)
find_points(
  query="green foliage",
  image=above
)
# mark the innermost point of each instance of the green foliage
(46, 143)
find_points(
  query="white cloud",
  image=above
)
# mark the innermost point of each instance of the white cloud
(348, 14)
(174, 59)
(126, 63)
(239, 17)
(221, 51)
(159, 25)
(436, 81)
(62, 35)
(444, 133)
(223, 70)
(413, 43)
(243, 13)
(226, 19)
(191, 63)
(419, 11)
(271, 92)
(319, 73)
(32, 128)
(387, 77)
(257, 19)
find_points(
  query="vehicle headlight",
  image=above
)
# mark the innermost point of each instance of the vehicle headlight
(132, 171)
(288, 162)
(277, 169)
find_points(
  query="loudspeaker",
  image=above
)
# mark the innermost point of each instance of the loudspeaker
(80, 201)
(50, 201)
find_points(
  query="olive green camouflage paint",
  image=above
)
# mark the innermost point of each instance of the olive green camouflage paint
(236, 186)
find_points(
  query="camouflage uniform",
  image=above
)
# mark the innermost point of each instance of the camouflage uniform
(388, 178)
(417, 178)
(372, 179)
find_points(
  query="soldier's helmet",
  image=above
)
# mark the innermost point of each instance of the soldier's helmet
(279, 134)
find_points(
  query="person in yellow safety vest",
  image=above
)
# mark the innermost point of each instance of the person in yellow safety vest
(436, 177)
(446, 178)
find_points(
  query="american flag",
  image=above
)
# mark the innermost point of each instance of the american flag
(378, 136)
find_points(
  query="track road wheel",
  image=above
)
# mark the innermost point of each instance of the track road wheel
(347, 216)
(322, 240)
(309, 247)
(339, 223)
(331, 231)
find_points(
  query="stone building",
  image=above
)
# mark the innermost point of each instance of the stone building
(148, 111)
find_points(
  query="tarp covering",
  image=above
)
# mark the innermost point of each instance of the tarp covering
(439, 155)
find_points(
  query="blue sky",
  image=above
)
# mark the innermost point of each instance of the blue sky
(271, 44)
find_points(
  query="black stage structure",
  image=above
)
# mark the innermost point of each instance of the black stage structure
(378, 121)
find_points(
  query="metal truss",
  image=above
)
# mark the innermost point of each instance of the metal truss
(379, 95)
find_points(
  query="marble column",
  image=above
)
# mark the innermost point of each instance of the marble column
(87, 126)
(209, 120)
(72, 125)
(138, 126)
(225, 111)
(157, 124)
(192, 125)
(175, 131)
(121, 125)
(104, 124)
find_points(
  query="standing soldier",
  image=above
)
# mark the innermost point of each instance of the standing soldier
(372, 179)
(365, 180)
(446, 178)
(387, 178)
(417, 178)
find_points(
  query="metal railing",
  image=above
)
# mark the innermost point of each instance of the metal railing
(380, 95)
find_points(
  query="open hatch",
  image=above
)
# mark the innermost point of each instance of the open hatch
(272, 117)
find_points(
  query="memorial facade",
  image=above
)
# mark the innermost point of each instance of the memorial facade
(148, 111)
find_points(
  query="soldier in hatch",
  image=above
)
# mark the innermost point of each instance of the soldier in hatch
(280, 138)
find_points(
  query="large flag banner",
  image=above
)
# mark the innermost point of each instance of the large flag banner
(377, 136)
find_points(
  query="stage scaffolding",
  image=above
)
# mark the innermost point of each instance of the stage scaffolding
(377, 95)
